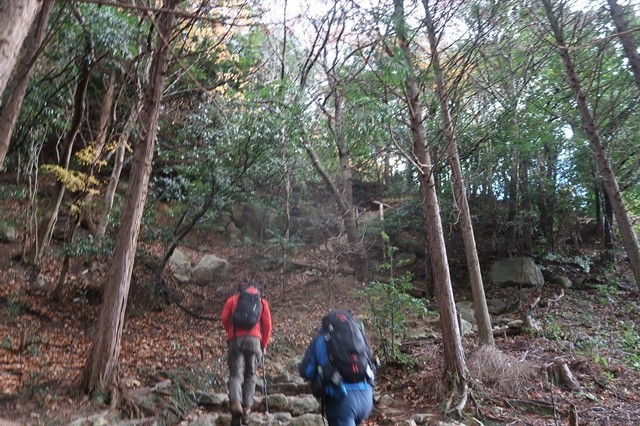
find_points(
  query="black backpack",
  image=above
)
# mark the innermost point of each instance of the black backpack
(248, 310)
(347, 347)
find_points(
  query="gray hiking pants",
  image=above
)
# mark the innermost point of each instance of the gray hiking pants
(244, 355)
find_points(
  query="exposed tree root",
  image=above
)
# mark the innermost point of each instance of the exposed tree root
(459, 396)
(559, 373)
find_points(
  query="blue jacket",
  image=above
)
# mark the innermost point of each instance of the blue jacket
(311, 369)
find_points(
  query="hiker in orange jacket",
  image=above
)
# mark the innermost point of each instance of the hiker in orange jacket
(248, 327)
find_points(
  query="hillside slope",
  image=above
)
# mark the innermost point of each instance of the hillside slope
(591, 329)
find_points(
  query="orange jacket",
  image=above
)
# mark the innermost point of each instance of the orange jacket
(261, 330)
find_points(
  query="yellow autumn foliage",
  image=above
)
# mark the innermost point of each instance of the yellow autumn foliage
(73, 180)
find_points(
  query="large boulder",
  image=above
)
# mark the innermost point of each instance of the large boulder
(181, 266)
(210, 269)
(518, 271)
(252, 220)
(465, 308)
(8, 234)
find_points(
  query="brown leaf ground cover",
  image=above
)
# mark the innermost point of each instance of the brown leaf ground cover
(593, 329)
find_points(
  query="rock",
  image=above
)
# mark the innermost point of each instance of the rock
(418, 334)
(100, 421)
(304, 405)
(40, 281)
(206, 420)
(282, 417)
(466, 327)
(308, 420)
(209, 269)
(496, 306)
(8, 234)
(286, 388)
(385, 401)
(421, 418)
(224, 419)
(564, 282)
(180, 263)
(515, 324)
(217, 400)
(465, 308)
(278, 402)
(516, 271)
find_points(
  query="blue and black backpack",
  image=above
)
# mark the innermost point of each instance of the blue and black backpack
(347, 347)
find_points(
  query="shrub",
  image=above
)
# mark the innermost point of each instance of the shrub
(390, 306)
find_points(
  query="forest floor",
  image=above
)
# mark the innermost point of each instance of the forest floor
(592, 329)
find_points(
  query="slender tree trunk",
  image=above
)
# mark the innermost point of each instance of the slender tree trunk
(100, 371)
(72, 226)
(473, 263)
(86, 216)
(342, 190)
(11, 109)
(407, 178)
(16, 17)
(114, 179)
(597, 202)
(608, 234)
(527, 245)
(590, 129)
(103, 122)
(456, 374)
(343, 207)
(285, 161)
(546, 194)
(626, 39)
(46, 225)
(488, 178)
(512, 202)
(346, 181)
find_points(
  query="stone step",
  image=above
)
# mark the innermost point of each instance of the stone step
(296, 405)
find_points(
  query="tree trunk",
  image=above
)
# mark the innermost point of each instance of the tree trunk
(86, 216)
(626, 39)
(72, 226)
(46, 225)
(546, 194)
(523, 180)
(121, 149)
(100, 371)
(598, 207)
(456, 372)
(286, 207)
(342, 190)
(481, 310)
(11, 109)
(608, 235)
(512, 202)
(16, 17)
(346, 182)
(590, 129)
(344, 208)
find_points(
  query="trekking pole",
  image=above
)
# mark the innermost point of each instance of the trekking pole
(264, 386)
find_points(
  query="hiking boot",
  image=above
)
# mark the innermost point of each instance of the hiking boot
(236, 414)
(245, 416)
(236, 419)
(236, 408)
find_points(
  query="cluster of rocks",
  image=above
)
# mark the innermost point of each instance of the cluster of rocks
(289, 403)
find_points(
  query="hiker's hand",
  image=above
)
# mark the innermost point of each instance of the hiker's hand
(264, 352)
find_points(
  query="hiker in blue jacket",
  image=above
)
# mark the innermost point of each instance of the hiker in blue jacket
(345, 403)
